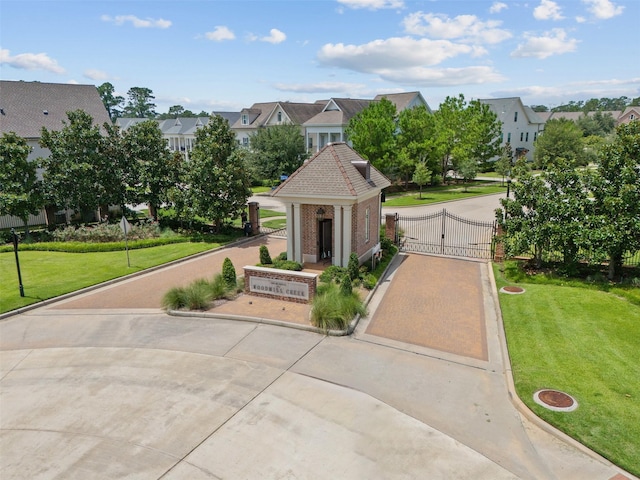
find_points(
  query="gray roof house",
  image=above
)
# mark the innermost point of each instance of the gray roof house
(333, 204)
(27, 107)
(179, 132)
(520, 124)
(328, 126)
(261, 115)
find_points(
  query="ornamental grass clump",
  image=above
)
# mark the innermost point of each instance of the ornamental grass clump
(332, 309)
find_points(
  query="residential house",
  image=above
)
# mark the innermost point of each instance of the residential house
(261, 115)
(27, 107)
(520, 124)
(629, 114)
(329, 125)
(180, 132)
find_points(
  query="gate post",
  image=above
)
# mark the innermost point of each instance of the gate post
(498, 255)
(390, 226)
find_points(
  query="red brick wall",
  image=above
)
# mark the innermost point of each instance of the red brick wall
(276, 274)
(309, 220)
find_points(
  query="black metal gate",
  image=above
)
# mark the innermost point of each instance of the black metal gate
(446, 234)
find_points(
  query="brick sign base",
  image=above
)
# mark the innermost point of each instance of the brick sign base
(287, 285)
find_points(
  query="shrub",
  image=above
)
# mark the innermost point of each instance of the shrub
(386, 244)
(282, 256)
(353, 267)
(229, 273)
(265, 258)
(287, 265)
(331, 309)
(369, 281)
(345, 286)
(331, 273)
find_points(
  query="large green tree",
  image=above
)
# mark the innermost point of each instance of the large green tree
(139, 103)
(372, 133)
(465, 132)
(415, 142)
(277, 150)
(20, 192)
(614, 224)
(217, 180)
(71, 177)
(561, 139)
(112, 102)
(152, 162)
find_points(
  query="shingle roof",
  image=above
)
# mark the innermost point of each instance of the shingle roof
(24, 105)
(330, 173)
(402, 101)
(338, 111)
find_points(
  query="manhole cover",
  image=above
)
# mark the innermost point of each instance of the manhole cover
(512, 290)
(555, 400)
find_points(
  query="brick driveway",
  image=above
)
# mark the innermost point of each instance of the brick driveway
(434, 302)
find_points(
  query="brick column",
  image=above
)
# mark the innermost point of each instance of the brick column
(498, 255)
(390, 226)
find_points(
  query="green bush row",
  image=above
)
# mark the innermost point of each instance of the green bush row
(83, 247)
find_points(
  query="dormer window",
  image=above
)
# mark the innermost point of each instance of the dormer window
(245, 119)
(279, 117)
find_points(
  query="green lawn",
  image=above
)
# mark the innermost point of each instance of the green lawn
(441, 194)
(277, 223)
(256, 190)
(49, 274)
(583, 341)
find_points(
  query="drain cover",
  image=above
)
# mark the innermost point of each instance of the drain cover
(512, 290)
(555, 400)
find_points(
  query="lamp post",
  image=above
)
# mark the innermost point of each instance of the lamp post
(15, 250)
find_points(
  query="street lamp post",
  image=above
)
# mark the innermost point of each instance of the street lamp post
(15, 250)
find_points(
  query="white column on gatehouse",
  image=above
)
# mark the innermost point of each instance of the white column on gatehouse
(337, 240)
(346, 235)
(297, 234)
(291, 231)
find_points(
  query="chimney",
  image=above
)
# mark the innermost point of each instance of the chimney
(364, 167)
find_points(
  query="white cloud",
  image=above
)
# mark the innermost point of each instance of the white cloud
(372, 4)
(275, 36)
(94, 74)
(497, 7)
(467, 27)
(393, 53)
(441, 77)
(220, 33)
(320, 87)
(137, 22)
(30, 61)
(554, 42)
(549, 95)
(603, 9)
(547, 10)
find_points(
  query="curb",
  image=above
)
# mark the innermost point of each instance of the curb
(521, 407)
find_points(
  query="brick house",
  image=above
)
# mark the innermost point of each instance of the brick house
(333, 204)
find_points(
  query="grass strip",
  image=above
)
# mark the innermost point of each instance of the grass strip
(440, 194)
(584, 342)
(50, 274)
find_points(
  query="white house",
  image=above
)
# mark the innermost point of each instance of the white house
(520, 124)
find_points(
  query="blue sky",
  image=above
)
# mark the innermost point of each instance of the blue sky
(226, 55)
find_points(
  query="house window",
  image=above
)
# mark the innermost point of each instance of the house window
(526, 137)
(245, 141)
(515, 116)
(521, 136)
(245, 119)
(501, 137)
(279, 117)
(535, 136)
(367, 233)
(632, 117)
(309, 142)
(509, 137)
